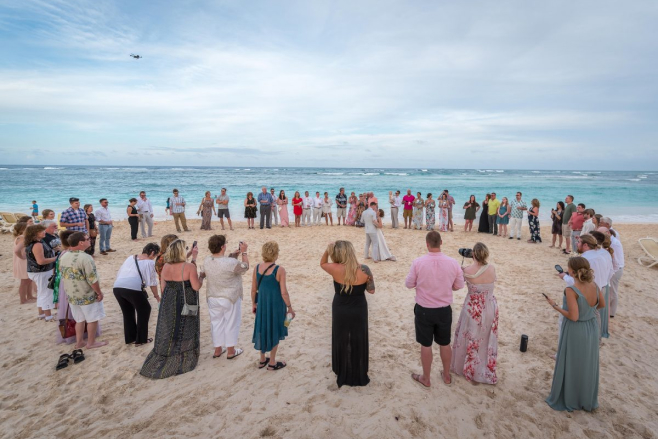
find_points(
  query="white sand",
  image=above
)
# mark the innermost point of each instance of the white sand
(105, 395)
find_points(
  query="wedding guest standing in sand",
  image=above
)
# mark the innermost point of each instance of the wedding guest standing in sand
(434, 276)
(137, 273)
(371, 223)
(588, 224)
(206, 210)
(483, 226)
(250, 209)
(223, 210)
(533, 222)
(133, 218)
(576, 223)
(444, 213)
(475, 348)
(419, 205)
(471, 208)
(177, 208)
(282, 207)
(517, 207)
(360, 208)
(576, 375)
(494, 204)
(74, 218)
(83, 291)
(274, 211)
(93, 229)
(451, 203)
(351, 216)
(408, 211)
(349, 313)
(270, 302)
(265, 201)
(176, 346)
(317, 209)
(430, 218)
(341, 206)
(382, 247)
(223, 273)
(326, 209)
(160, 259)
(569, 209)
(503, 217)
(307, 206)
(617, 267)
(145, 210)
(556, 227)
(105, 226)
(40, 264)
(395, 202)
(48, 214)
(297, 208)
(604, 254)
(20, 265)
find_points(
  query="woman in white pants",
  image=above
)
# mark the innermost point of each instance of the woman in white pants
(40, 265)
(224, 294)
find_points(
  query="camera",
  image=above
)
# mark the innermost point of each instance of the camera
(466, 252)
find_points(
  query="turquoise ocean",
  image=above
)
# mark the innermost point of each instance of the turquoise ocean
(625, 196)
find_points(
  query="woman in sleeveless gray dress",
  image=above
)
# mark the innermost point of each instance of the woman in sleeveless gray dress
(576, 376)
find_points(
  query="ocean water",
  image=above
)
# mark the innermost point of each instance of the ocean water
(625, 196)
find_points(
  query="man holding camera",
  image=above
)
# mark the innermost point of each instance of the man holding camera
(434, 276)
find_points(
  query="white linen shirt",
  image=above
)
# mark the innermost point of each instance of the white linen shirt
(176, 204)
(618, 255)
(600, 264)
(369, 218)
(396, 202)
(144, 206)
(103, 214)
(588, 226)
(317, 202)
(128, 277)
(307, 202)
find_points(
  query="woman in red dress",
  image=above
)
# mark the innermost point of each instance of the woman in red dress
(297, 208)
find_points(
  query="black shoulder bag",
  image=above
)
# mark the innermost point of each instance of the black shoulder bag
(261, 279)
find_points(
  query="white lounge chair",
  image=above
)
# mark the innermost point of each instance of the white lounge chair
(650, 247)
(8, 217)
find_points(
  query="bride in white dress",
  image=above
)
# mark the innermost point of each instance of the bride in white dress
(384, 252)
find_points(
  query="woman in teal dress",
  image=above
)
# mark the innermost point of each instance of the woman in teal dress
(270, 303)
(430, 219)
(576, 376)
(503, 217)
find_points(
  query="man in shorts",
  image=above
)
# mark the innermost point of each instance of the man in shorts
(569, 210)
(408, 211)
(222, 209)
(341, 205)
(83, 290)
(451, 202)
(434, 276)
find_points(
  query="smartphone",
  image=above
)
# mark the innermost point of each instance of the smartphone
(194, 244)
(559, 269)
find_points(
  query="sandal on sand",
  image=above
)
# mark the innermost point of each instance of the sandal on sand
(77, 356)
(416, 377)
(217, 356)
(148, 340)
(237, 352)
(262, 364)
(63, 361)
(279, 365)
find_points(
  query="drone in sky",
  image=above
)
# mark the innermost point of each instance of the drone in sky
(136, 56)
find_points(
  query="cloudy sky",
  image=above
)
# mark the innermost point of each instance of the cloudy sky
(507, 84)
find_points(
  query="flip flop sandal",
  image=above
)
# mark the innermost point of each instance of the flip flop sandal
(217, 356)
(262, 364)
(416, 377)
(148, 340)
(77, 356)
(279, 365)
(237, 352)
(63, 361)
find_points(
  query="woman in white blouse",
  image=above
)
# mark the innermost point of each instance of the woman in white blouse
(137, 273)
(224, 292)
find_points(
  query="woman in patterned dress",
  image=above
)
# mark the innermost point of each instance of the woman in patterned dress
(475, 348)
(430, 219)
(206, 210)
(352, 213)
(533, 220)
(443, 212)
(360, 208)
(419, 204)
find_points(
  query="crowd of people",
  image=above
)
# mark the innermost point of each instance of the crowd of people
(62, 269)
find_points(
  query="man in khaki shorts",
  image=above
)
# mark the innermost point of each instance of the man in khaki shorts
(408, 212)
(341, 205)
(569, 209)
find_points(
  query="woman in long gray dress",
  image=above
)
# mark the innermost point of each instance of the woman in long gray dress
(206, 210)
(176, 345)
(576, 376)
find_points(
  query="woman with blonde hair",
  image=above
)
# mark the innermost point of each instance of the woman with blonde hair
(270, 302)
(20, 265)
(206, 210)
(576, 375)
(176, 345)
(533, 221)
(475, 349)
(349, 340)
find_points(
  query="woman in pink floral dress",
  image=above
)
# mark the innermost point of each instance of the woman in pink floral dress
(475, 347)
(351, 216)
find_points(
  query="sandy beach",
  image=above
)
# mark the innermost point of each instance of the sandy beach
(105, 396)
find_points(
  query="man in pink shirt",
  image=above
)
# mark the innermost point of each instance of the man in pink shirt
(408, 201)
(435, 276)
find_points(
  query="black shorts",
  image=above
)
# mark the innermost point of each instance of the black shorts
(433, 324)
(223, 213)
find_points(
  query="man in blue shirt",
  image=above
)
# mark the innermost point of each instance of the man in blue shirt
(265, 200)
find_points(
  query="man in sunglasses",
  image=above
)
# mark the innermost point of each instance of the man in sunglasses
(105, 225)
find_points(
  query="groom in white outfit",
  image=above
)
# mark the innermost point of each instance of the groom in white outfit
(369, 219)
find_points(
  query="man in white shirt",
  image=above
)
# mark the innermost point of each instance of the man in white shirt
(617, 266)
(317, 209)
(369, 219)
(145, 211)
(177, 205)
(517, 206)
(105, 225)
(588, 225)
(307, 205)
(607, 223)
(274, 212)
(396, 202)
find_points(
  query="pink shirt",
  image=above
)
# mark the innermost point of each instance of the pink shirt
(435, 276)
(408, 202)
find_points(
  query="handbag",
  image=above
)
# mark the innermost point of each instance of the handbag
(93, 233)
(52, 280)
(140, 276)
(67, 326)
(188, 310)
(261, 280)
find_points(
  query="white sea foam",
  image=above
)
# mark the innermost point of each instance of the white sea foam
(535, 172)
(395, 173)
(371, 173)
(642, 176)
(4, 169)
(499, 170)
(634, 179)
(331, 173)
(47, 167)
(423, 170)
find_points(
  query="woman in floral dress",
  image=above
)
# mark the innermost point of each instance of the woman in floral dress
(430, 219)
(417, 219)
(443, 213)
(475, 348)
(533, 220)
(352, 213)
(206, 210)
(360, 208)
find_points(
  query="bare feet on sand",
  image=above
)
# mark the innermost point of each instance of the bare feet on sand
(97, 344)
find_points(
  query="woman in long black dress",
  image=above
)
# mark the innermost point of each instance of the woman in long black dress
(93, 230)
(483, 227)
(349, 333)
(533, 222)
(133, 218)
(250, 209)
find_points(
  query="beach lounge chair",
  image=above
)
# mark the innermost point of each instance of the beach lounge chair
(20, 215)
(8, 217)
(650, 247)
(59, 220)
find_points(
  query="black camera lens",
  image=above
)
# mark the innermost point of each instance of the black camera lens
(466, 252)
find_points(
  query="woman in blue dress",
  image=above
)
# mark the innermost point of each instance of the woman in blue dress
(576, 376)
(502, 218)
(270, 302)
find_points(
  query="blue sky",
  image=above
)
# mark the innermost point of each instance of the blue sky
(511, 84)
